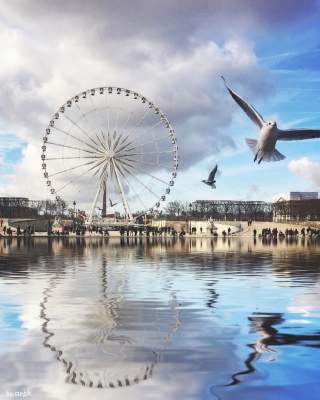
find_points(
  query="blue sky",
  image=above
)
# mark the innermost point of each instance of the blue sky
(269, 53)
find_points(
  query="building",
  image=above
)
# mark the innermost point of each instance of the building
(303, 196)
(16, 207)
(296, 210)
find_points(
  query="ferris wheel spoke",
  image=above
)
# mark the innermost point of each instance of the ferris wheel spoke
(124, 127)
(116, 120)
(73, 180)
(89, 124)
(151, 176)
(151, 152)
(126, 147)
(141, 183)
(145, 128)
(99, 166)
(76, 138)
(144, 115)
(79, 127)
(102, 144)
(127, 157)
(124, 200)
(76, 179)
(104, 170)
(103, 136)
(126, 163)
(158, 139)
(116, 142)
(154, 164)
(108, 118)
(135, 192)
(72, 147)
(146, 173)
(123, 145)
(94, 109)
(70, 169)
(124, 139)
(109, 140)
(73, 158)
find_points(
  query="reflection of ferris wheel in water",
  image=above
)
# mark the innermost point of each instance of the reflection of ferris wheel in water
(114, 145)
(112, 340)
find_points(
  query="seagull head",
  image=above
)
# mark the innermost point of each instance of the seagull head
(271, 124)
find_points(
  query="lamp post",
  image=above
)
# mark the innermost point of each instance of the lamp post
(190, 210)
(74, 214)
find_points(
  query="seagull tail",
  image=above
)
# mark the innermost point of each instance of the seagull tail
(273, 155)
(252, 143)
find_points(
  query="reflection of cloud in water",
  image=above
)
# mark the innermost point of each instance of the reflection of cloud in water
(308, 303)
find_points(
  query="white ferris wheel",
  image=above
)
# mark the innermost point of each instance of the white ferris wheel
(111, 149)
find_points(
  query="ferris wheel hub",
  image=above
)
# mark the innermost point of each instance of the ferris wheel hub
(110, 153)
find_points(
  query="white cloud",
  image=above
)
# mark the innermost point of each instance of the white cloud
(55, 50)
(308, 170)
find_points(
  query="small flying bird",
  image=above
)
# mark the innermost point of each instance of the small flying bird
(264, 148)
(112, 204)
(211, 181)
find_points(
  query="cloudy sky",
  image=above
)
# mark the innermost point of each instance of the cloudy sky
(174, 53)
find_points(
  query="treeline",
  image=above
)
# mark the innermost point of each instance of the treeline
(24, 208)
(220, 210)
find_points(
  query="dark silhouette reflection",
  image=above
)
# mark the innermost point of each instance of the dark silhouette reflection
(264, 324)
(213, 295)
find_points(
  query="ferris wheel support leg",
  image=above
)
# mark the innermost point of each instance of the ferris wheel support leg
(94, 204)
(104, 199)
(124, 200)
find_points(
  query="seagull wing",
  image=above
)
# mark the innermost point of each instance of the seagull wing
(299, 134)
(251, 112)
(212, 174)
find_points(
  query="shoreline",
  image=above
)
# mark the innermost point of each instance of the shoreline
(240, 235)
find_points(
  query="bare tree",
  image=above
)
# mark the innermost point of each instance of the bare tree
(176, 208)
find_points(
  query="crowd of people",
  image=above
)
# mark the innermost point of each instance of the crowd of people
(80, 230)
(27, 231)
(276, 233)
(140, 230)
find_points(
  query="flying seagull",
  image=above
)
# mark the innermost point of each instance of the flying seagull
(112, 204)
(264, 148)
(210, 181)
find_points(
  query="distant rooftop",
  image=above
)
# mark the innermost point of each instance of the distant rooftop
(303, 195)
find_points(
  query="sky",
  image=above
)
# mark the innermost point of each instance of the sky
(174, 53)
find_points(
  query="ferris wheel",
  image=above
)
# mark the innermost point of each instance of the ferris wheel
(111, 149)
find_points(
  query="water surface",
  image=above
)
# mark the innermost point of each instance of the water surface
(160, 319)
